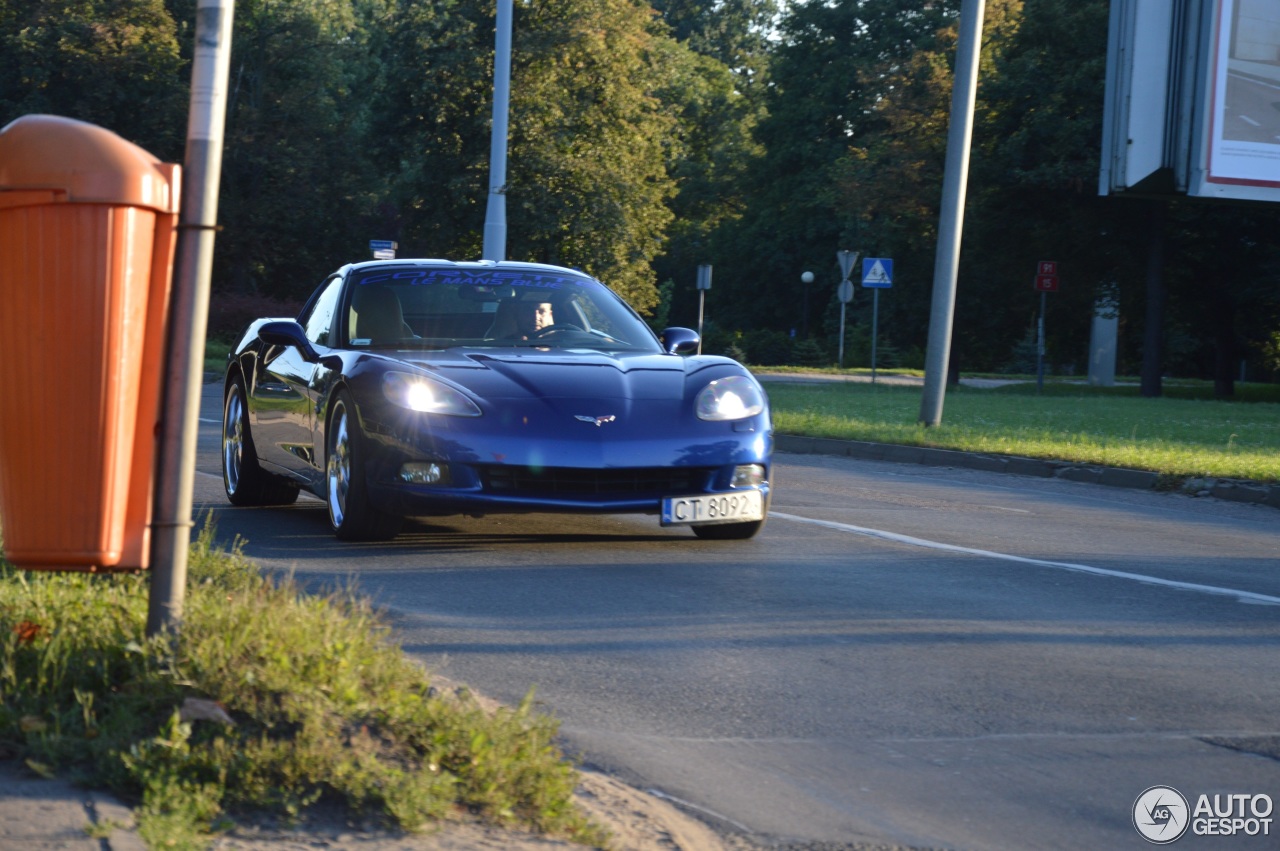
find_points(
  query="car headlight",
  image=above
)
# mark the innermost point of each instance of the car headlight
(419, 393)
(734, 398)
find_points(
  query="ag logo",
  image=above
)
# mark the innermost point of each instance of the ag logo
(1161, 815)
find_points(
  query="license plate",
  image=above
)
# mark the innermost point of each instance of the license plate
(738, 507)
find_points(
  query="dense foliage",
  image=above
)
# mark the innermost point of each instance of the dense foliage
(647, 138)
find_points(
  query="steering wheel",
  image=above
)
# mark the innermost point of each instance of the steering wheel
(552, 329)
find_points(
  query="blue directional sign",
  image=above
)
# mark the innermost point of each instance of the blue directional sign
(877, 272)
(383, 249)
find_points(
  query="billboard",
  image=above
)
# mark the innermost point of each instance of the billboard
(1135, 150)
(1190, 100)
(1241, 153)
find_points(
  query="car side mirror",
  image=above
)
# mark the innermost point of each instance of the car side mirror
(679, 341)
(288, 333)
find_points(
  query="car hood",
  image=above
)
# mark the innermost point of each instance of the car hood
(581, 408)
(576, 374)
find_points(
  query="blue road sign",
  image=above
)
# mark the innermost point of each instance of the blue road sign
(877, 272)
(383, 249)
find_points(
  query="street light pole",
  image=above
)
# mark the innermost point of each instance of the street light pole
(951, 219)
(806, 278)
(495, 219)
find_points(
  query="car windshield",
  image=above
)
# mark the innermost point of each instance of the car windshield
(429, 307)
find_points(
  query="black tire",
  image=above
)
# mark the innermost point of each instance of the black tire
(245, 482)
(729, 531)
(346, 495)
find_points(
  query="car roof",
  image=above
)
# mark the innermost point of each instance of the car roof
(513, 265)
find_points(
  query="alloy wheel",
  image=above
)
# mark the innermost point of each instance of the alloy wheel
(338, 466)
(233, 439)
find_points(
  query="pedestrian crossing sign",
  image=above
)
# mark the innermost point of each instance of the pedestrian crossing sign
(877, 272)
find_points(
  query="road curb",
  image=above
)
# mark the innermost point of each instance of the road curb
(1234, 490)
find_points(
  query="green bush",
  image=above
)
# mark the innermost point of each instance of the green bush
(809, 352)
(767, 348)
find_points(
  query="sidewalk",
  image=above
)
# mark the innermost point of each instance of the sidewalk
(886, 377)
(44, 815)
(53, 815)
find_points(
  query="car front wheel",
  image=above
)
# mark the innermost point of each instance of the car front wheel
(350, 514)
(245, 482)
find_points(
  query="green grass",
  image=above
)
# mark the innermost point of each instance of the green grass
(1184, 434)
(216, 350)
(323, 708)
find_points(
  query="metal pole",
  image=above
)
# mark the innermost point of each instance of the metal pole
(495, 219)
(951, 218)
(188, 315)
(840, 357)
(702, 300)
(875, 323)
(1040, 344)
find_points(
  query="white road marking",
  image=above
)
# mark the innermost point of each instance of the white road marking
(657, 793)
(1240, 596)
(1254, 80)
(1002, 508)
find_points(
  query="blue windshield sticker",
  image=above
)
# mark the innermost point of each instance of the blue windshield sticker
(481, 278)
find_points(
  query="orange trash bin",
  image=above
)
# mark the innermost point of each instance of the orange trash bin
(87, 236)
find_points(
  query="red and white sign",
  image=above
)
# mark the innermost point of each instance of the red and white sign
(1047, 276)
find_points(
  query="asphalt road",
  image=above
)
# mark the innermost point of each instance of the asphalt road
(1252, 110)
(910, 656)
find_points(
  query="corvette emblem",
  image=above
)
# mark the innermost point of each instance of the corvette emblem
(598, 421)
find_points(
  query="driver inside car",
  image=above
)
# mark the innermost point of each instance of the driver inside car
(541, 317)
(521, 319)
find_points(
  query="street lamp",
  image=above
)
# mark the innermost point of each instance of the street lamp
(806, 278)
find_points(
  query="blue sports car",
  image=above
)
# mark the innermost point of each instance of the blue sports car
(428, 387)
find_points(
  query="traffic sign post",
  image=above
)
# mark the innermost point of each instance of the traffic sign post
(704, 284)
(877, 273)
(1046, 282)
(846, 259)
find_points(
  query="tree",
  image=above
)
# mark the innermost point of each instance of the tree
(735, 33)
(589, 185)
(709, 154)
(834, 67)
(431, 125)
(588, 182)
(1224, 291)
(96, 61)
(1196, 279)
(1033, 188)
(298, 188)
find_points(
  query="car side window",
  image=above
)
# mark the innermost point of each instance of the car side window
(319, 322)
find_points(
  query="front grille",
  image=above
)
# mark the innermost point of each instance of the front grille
(571, 481)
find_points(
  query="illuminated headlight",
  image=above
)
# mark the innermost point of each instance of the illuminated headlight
(424, 473)
(734, 398)
(419, 393)
(748, 476)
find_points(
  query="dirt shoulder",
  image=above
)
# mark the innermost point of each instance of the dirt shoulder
(637, 820)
